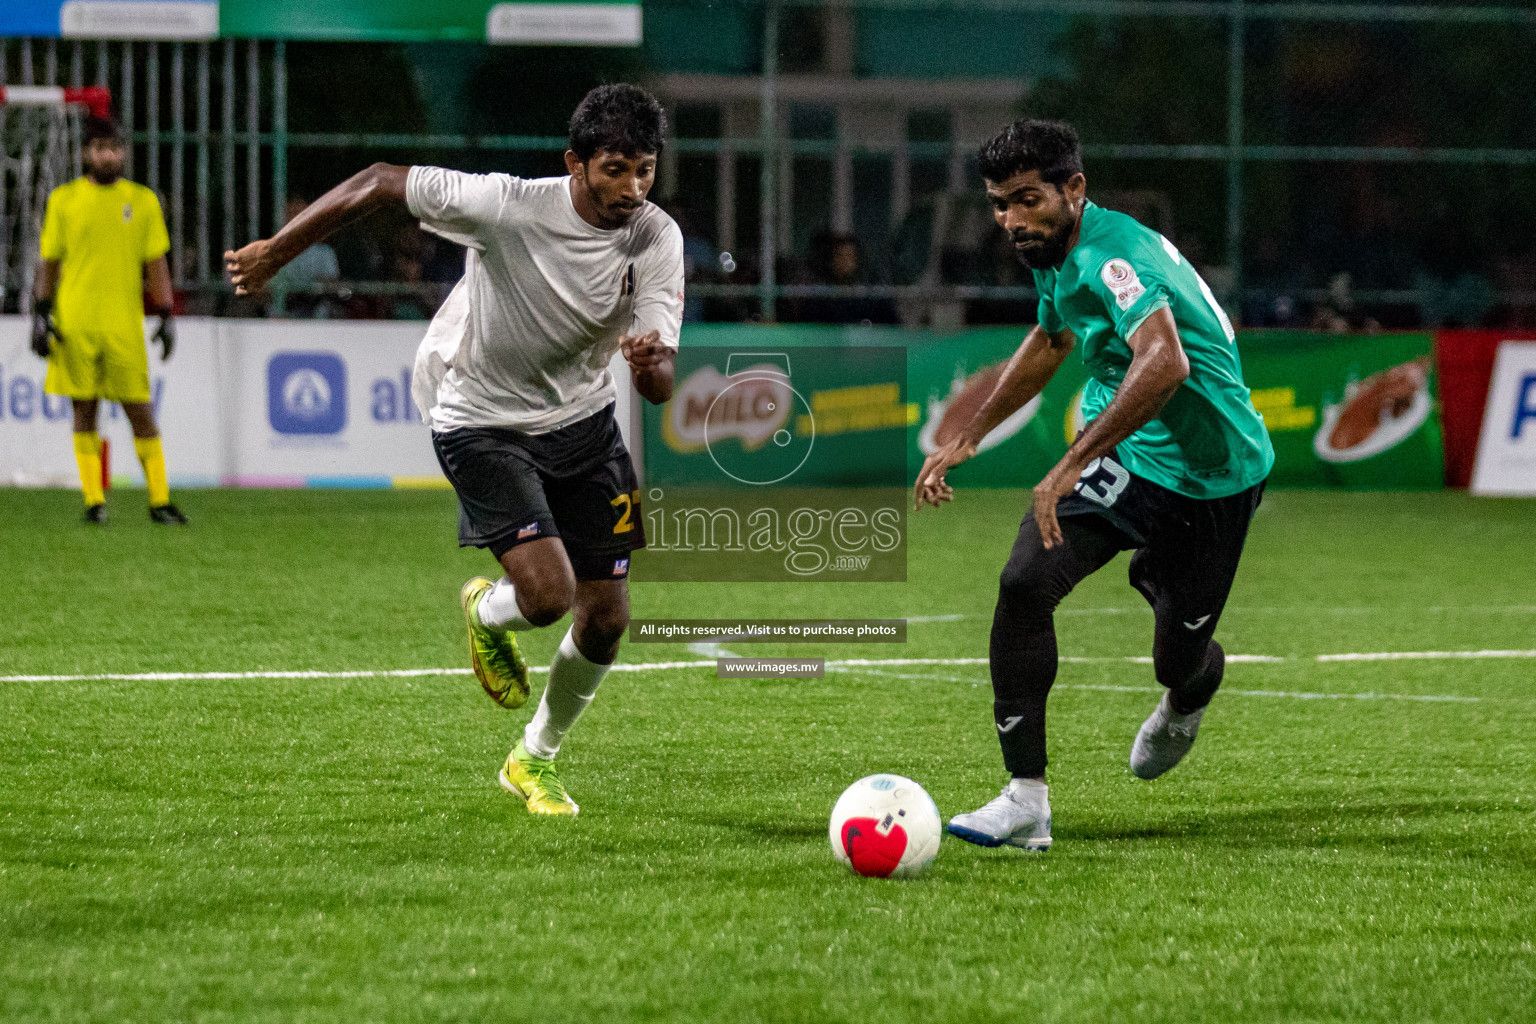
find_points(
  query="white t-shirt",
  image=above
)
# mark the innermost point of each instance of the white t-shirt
(525, 337)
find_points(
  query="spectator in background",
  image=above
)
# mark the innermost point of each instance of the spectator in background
(836, 259)
(313, 267)
(1337, 314)
(1515, 277)
(408, 267)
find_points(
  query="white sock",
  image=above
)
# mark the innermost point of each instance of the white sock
(1026, 789)
(498, 608)
(572, 682)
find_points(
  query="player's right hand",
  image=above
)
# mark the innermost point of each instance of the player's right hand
(43, 330)
(251, 267)
(931, 488)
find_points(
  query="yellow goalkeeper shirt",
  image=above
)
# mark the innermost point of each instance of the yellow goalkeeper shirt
(102, 235)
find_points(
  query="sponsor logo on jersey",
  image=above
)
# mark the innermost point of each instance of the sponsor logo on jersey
(1120, 278)
(621, 567)
(531, 530)
(127, 212)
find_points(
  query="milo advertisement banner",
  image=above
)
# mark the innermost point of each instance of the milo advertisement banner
(779, 459)
(1342, 410)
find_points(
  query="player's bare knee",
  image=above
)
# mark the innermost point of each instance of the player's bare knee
(84, 412)
(604, 621)
(141, 417)
(546, 601)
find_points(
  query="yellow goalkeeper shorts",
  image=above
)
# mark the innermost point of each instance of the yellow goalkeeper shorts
(85, 366)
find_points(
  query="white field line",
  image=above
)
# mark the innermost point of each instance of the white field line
(1423, 655)
(1297, 694)
(652, 666)
(1477, 609)
(870, 665)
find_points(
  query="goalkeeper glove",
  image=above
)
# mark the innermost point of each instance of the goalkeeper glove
(165, 334)
(43, 328)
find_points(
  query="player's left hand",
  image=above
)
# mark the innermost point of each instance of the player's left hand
(44, 333)
(645, 352)
(165, 334)
(1058, 483)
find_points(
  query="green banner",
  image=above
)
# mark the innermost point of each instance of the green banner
(588, 22)
(1347, 410)
(1342, 410)
(790, 407)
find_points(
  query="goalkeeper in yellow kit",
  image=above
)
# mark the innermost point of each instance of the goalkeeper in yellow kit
(103, 246)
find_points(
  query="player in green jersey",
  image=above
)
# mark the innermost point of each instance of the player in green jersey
(1171, 463)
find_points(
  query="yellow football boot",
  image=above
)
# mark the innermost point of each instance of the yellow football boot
(498, 664)
(536, 781)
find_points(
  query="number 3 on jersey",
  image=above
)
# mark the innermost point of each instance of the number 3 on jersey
(1103, 481)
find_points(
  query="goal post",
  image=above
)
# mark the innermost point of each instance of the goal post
(40, 148)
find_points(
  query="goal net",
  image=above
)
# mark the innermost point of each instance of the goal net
(40, 132)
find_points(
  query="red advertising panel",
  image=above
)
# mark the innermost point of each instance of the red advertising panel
(1465, 363)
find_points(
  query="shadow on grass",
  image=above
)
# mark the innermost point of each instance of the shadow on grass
(786, 830)
(1405, 825)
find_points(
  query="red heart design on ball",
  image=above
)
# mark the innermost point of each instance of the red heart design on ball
(872, 854)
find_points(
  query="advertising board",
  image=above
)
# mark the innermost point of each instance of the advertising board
(246, 403)
(1506, 453)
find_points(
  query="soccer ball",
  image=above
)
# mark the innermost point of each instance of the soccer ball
(885, 826)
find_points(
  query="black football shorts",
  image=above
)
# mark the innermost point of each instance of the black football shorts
(1187, 549)
(576, 483)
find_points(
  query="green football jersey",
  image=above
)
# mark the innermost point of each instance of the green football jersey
(1208, 441)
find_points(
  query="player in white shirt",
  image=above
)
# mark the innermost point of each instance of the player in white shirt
(513, 377)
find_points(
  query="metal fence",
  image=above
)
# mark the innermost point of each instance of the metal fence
(217, 113)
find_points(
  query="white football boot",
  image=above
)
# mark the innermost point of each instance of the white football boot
(1163, 740)
(1020, 816)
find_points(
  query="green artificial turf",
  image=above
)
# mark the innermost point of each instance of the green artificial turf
(337, 849)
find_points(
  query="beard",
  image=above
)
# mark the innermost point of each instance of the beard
(1044, 253)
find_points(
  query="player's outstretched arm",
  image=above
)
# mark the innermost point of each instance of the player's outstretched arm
(381, 185)
(1025, 376)
(1158, 367)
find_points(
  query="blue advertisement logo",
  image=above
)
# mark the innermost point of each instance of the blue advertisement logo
(307, 393)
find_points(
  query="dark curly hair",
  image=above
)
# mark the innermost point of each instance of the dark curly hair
(1050, 147)
(620, 118)
(101, 128)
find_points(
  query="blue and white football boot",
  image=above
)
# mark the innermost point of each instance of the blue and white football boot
(1020, 816)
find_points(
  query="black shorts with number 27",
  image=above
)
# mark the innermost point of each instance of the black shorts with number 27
(576, 483)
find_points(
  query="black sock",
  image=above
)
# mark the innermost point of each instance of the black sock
(1198, 690)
